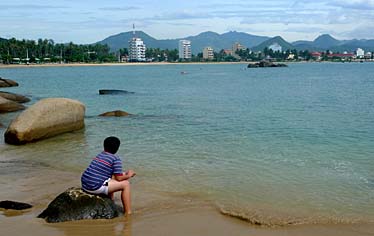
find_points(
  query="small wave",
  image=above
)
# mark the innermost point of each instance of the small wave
(259, 218)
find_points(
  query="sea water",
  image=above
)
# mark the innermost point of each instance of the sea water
(271, 145)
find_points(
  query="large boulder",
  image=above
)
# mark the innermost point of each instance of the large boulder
(14, 97)
(7, 83)
(75, 204)
(115, 113)
(46, 118)
(9, 106)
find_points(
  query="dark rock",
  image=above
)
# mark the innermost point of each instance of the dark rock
(113, 91)
(14, 97)
(14, 205)
(75, 204)
(115, 113)
(7, 83)
(265, 64)
(9, 106)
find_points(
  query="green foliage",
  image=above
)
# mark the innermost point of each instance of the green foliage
(45, 50)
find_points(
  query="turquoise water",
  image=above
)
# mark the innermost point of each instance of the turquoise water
(275, 145)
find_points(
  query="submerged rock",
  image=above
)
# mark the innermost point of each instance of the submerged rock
(75, 204)
(46, 118)
(14, 97)
(113, 91)
(115, 113)
(9, 106)
(14, 205)
(265, 64)
(7, 83)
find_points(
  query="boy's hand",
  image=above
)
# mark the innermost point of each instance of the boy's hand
(130, 173)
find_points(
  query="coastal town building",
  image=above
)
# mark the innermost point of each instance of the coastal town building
(136, 50)
(185, 49)
(275, 47)
(237, 47)
(208, 53)
(360, 53)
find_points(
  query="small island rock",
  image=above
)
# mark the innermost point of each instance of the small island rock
(265, 64)
(9, 106)
(14, 97)
(75, 204)
(116, 113)
(14, 205)
(46, 118)
(7, 83)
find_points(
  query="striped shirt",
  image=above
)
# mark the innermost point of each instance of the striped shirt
(102, 167)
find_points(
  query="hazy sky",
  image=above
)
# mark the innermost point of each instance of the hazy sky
(91, 21)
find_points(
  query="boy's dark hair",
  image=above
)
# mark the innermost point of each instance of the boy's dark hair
(111, 144)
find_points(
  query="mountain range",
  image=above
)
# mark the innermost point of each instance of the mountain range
(226, 40)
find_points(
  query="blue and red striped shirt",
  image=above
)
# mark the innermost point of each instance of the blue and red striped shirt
(101, 168)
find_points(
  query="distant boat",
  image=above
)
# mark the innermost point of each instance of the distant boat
(184, 72)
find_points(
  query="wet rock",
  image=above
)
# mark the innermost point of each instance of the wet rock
(7, 83)
(9, 106)
(113, 91)
(14, 97)
(75, 204)
(116, 113)
(46, 118)
(14, 205)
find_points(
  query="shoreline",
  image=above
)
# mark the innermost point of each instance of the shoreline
(155, 213)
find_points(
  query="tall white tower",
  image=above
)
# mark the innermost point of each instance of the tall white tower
(137, 48)
(185, 49)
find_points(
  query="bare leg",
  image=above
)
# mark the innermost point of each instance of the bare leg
(124, 187)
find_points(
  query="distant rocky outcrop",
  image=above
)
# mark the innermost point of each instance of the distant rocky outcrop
(113, 91)
(75, 204)
(46, 118)
(14, 97)
(9, 106)
(265, 64)
(7, 83)
(115, 113)
(14, 205)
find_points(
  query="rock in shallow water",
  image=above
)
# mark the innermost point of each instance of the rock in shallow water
(115, 113)
(75, 204)
(7, 83)
(9, 106)
(14, 97)
(46, 118)
(14, 205)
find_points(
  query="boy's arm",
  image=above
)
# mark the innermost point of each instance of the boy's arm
(125, 175)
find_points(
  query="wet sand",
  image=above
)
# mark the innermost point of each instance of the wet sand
(155, 213)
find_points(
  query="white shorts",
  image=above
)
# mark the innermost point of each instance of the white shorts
(102, 190)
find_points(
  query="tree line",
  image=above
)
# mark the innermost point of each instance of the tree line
(46, 50)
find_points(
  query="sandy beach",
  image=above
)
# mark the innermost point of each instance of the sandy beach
(113, 64)
(155, 213)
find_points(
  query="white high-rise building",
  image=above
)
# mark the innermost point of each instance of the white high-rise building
(208, 53)
(185, 49)
(360, 53)
(136, 50)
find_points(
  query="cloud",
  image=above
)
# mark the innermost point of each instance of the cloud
(354, 4)
(129, 8)
(30, 7)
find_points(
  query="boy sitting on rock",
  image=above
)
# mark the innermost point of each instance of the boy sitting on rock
(104, 174)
